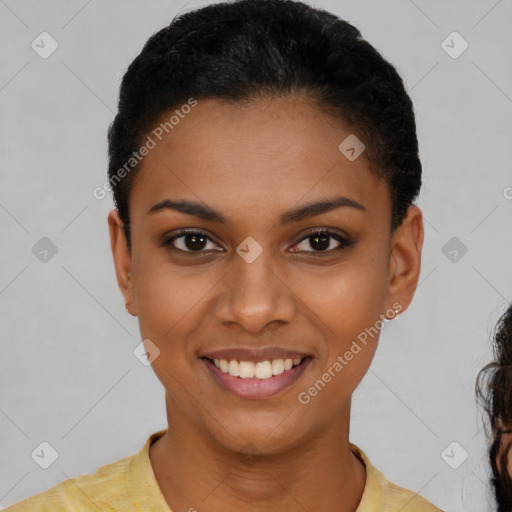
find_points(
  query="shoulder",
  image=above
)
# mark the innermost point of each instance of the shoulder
(406, 500)
(102, 490)
(385, 496)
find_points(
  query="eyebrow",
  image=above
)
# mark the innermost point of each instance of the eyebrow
(295, 215)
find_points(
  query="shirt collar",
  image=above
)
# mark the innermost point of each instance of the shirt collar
(148, 497)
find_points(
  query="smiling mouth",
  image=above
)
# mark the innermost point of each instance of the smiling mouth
(260, 369)
(260, 379)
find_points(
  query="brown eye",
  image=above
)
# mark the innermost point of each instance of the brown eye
(189, 241)
(322, 241)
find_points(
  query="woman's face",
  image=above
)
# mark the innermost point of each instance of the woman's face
(249, 284)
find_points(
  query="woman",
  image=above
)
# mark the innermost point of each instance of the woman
(264, 164)
(494, 390)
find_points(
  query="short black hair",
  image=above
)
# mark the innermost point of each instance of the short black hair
(244, 50)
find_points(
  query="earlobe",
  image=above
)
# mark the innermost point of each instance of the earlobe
(128, 304)
(122, 257)
(405, 260)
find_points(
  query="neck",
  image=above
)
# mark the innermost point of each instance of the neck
(194, 471)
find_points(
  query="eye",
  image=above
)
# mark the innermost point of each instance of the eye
(321, 241)
(194, 241)
(189, 240)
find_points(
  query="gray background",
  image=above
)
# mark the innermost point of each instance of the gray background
(67, 372)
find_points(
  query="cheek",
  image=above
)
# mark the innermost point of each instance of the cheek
(347, 306)
(348, 297)
(170, 298)
(170, 308)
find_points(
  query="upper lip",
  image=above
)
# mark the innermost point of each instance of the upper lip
(254, 354)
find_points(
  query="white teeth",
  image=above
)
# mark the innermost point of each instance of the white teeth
(246, 369)
(277, 366)
(263, 370)
(260, 370)
(233, 368)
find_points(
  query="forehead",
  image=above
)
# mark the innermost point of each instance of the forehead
(265, 154)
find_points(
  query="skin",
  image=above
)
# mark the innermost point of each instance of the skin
(252, 163)
(506, 440)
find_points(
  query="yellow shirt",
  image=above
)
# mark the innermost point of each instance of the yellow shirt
(129, 485)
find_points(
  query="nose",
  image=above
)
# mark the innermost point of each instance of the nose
(254, 295)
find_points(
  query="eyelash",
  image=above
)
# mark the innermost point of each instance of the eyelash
(345, 243)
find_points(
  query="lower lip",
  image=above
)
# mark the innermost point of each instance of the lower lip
(257, 388)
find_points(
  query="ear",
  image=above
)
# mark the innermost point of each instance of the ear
(405, 260)
(122, 258)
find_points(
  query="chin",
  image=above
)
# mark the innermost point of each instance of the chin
(256, 434)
